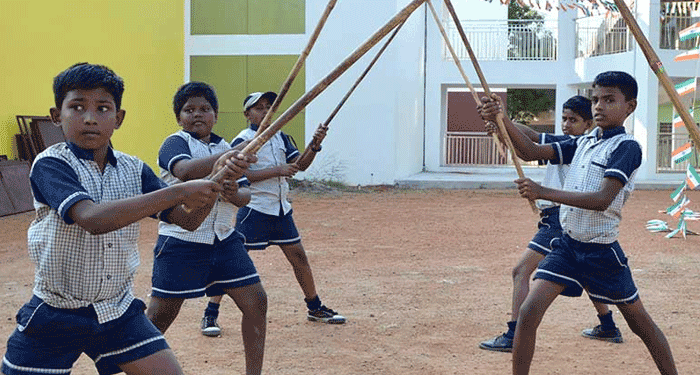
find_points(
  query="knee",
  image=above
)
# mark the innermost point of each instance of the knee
(521, 272)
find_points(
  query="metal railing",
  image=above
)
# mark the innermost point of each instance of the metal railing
(670, 26)
(602, 35)
(664, 148)
(505, 39)
(475, 148)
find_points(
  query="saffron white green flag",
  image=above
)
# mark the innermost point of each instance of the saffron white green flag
(678, 192)
(693, 54)
(686, 87)
(682, 153)
(676, 209)
(690, 32)
(692, 177)
(678, 120)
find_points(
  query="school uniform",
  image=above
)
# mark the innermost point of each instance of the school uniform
(588, 256)
(549, 228)
(83, 298)
(267, 219)
(210, 259)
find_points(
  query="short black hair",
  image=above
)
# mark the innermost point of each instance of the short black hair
(192, 90)
(85, 76)
(579, 105)
(623, 81)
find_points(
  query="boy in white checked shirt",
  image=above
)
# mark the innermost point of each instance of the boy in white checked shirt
(603, 164)
(89, 199)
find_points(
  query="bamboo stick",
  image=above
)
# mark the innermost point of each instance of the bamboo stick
(354, 86)
(302, 102)
(658, 69)
(485, 86)
(297, 67)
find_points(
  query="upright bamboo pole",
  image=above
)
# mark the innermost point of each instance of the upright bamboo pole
(297, 67)
(485, 86)
(302, 102)
(658, 69)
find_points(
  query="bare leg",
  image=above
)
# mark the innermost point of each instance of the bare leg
(252, 301)
(302, 269)
(541, 295)
(522, 273)
(643, 326)
(159, 363)
(163, 311)
(601, 308)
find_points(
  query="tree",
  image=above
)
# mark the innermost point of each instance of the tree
(524, 104)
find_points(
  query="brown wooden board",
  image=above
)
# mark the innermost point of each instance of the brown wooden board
(46, 132)
(14, 176)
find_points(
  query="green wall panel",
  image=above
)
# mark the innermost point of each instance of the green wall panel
(234, 17)
(234, 77)
(228, 76)
(219, 17)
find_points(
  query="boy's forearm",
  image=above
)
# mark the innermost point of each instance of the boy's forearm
(262, 174)
(189, 220)
(596, 201)
(109, 216)
(524, 146)
(193, 169)
(305, 160)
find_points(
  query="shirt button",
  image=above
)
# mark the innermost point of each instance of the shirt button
(109, 245)
(109, 277)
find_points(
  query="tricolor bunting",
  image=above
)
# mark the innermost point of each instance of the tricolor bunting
(692, 178)
(686, 87)
(689, 32)
(676, 209)
(678, 192)
(693, 54)
(682, 153)
(678, 120)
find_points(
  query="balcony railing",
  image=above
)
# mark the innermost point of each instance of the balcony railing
(665, 146)
(601, 35)
(505, 39)
(474, 148)
(670, 26)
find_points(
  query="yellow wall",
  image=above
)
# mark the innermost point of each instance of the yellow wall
(141, 40)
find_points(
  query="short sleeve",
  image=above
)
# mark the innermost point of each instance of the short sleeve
(291, 150)
(624, 160)
(564, 151)
(172, 150)
(237, 141)
(55, 184)
(150, 183)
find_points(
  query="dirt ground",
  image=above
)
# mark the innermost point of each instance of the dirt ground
(423, 277)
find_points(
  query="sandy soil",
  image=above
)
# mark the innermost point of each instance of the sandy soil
(423, 277)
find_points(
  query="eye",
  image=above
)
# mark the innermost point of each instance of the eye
(77, 107)
(103, 108)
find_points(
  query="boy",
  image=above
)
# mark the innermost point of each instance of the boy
(89, 199)
(576, 120)
(210, 260)
(588, 256)
(267, 219)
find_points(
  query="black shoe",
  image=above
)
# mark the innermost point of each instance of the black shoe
(210, 327)
(500, 343)
(325, 315)
(600, 333)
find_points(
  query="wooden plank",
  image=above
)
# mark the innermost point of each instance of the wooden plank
(14, 176)
(46, 132)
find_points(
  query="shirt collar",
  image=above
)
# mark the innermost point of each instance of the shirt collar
(254, 127)
(213, 138)
(605, 134)
(90, 154)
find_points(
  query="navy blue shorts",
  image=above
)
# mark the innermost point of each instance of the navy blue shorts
(49, 340)
(262, 230)
(183, 269)
(549, 228)
(600, 269)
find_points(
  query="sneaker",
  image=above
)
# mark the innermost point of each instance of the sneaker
(600, 333)
(210, 327)
(325, 315)
(500, 343)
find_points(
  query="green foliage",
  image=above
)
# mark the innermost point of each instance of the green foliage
(524, 104)
(516, 12)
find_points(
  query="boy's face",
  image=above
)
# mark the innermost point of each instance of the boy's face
(88, 118)
(197, 116)
(610, 108)
(572, 123)
(256, 113)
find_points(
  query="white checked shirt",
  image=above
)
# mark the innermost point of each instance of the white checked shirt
(219, 222)
(555, 174)
(611, 153)
(73, 267)
(266, 196)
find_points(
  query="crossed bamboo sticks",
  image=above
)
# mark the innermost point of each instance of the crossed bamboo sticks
(266, 132)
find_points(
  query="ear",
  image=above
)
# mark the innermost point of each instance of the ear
(632, 105)
(55, 115)
(120, 118)
(216, 117)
